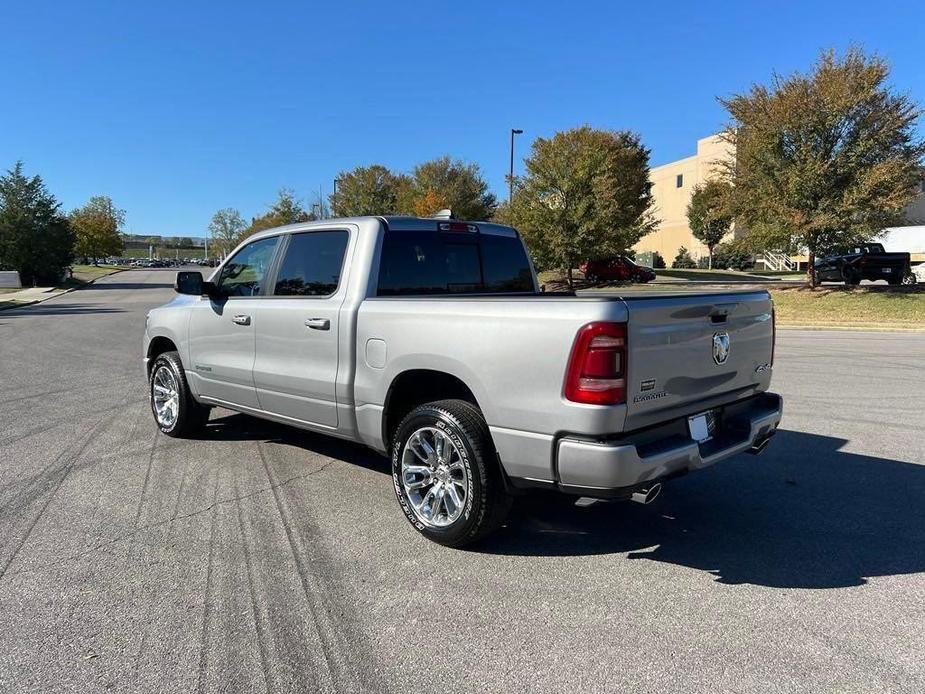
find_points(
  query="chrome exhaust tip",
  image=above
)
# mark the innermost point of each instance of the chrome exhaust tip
(646, 495)
(759, 446)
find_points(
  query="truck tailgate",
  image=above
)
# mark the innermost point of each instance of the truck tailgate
(689, 351)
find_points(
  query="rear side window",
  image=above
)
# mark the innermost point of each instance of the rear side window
(436, 262)
(312, 264)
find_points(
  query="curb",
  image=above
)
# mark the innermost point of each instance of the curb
(61, 293)
(852, 328)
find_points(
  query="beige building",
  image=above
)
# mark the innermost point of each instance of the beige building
(672, 186)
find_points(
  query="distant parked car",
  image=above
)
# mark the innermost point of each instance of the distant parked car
(619, 269)
(866, 261)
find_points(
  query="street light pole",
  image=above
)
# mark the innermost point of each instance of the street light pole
(510, 180)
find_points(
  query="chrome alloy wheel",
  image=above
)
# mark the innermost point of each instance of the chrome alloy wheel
(165, 396)
(434, 477)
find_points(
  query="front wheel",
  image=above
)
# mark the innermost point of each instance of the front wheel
(852, 280)
(446, 474)
(175, 411)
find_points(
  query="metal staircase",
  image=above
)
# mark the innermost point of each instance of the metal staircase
(778, 262)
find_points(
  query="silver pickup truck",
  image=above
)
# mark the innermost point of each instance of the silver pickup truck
(430, 341)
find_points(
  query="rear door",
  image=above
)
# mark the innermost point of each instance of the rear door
(685, 350)
(221, 327)
(295, 369)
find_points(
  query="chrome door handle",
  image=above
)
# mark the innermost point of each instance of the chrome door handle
(318, 323)
(241, 320)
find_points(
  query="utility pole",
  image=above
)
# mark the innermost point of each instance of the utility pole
(510, 180)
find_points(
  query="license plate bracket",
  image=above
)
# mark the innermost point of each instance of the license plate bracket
(702, 426)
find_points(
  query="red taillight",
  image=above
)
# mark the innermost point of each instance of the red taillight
(597, 368)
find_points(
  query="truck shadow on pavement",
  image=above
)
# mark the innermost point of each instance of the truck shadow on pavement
(98, 286)
(804, 514)
(56, 308)
(242, 427)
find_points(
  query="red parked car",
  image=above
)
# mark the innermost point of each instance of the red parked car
(619, 269)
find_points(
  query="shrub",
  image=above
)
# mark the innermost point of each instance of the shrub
(683, 260)
(733, 256)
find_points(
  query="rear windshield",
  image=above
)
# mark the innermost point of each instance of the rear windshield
(438, 262)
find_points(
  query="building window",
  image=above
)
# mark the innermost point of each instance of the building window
(680, 180)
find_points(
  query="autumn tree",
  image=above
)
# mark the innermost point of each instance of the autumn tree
(35, 238)
(584, 196)
(287, 209)
(709, 214)
(97, 226)
(367, 190)
(823, 159)
(449, 183)
(225, 229)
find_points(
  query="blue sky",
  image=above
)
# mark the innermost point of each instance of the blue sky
(177, 109)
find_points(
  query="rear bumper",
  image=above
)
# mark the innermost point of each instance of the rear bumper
(615, 468)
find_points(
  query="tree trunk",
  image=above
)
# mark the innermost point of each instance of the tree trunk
(710, 260)
(811, 269)
(571, 286)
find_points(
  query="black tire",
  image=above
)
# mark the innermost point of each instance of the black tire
(851, 277)
(191, 417)
(487, 502)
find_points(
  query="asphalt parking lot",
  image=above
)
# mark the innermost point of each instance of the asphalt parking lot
(259, 558)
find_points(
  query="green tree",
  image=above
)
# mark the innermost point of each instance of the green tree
(708, 214)
(225, 229)
(97, 226)
(585, 196)
(35, 238)
(447, 183)
(823, 159)
(366, 190)
(683, 260)
(184, 242)
(287, 209)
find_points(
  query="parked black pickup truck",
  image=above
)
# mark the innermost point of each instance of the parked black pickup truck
(866, 261)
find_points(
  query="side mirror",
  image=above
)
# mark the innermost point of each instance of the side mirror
(189, 283)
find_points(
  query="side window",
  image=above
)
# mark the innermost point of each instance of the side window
(312, 264)
(244, 274)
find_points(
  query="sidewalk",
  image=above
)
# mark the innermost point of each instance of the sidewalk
(29, 294)
(34, 295)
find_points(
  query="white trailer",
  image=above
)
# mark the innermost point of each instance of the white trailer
(905, 240)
